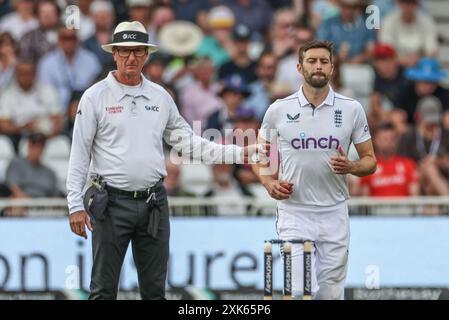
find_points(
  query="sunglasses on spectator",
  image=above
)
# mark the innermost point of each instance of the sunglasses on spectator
(138, 52)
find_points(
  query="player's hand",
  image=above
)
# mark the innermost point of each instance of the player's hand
(340, 164)
(256, 152)
(279, 190)
(78, 222)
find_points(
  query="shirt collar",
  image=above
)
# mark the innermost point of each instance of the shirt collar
(119, 93)
(329, 101)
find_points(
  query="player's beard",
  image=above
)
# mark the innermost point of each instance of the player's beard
(316, 82)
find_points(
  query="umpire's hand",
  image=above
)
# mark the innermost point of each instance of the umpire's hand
(78, 222)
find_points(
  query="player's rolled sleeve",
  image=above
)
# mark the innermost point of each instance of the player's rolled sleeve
(360, 132)
(181, 137)
(84, 131)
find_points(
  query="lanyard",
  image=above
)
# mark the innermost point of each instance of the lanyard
(434, 146)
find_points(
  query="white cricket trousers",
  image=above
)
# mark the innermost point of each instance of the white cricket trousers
(328, 227)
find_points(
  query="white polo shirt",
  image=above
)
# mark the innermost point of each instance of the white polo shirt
(119, 130)
(307, 138)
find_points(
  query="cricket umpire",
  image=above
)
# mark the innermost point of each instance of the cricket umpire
(118, 138)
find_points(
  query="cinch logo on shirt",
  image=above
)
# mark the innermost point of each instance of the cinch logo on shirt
(114, 109)
(315, 143)
(152, 108)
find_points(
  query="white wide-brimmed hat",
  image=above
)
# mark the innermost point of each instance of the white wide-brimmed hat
(180, 38)
(129, 34)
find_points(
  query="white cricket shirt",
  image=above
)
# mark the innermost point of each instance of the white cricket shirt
(307, 138)
(121, 135)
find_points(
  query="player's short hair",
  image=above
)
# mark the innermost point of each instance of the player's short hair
(316, 44)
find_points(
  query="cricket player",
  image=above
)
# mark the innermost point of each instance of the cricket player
(313, 129)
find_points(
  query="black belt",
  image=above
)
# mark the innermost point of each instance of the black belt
(140, 194)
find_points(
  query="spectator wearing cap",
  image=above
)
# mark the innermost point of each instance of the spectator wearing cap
(389, 82)
(28, 106)
(69, 67)
(353, 41)
(425, 78)
(27, 177)
(21, 20)
(412, 32)
(199, 100)
(8, 59)
(218, 45)
(389, 75)
(179, 40)
(396, 176)
(256, 14)
(139, 10)
(428, 145)
(234, 92)
(103, 15)
(241, 62)
(37, 42)
(260, 98)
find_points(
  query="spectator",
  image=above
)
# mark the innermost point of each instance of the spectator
(389, 78)
(395, 175)
(189, 10)
(8, 59)
(155, 67)
(172, 181)
(161, 15)
(218, 45)
(225, 185)
(389, 83)
(179, 40)
(233, 93)
(36, 43)
(428, 145)
(103, 15)
(287, 74)
(260, 98)
(425, 77)
(71, 113)
(139, 10)
(69, 67)
(322, 10)
(246, 126)
(199, 100)
(282, 33)
(256, 14)
(240, 62)
(412, 33)
(353, 41)
(20, 21)
(28, 177)
(29, 106)
(87, 24)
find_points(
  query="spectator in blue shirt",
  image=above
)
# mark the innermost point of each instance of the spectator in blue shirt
(352, 39)
(69, 67)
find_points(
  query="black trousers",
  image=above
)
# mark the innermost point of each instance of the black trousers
(127, 221)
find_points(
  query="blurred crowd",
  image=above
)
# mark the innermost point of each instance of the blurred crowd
(224, 62)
